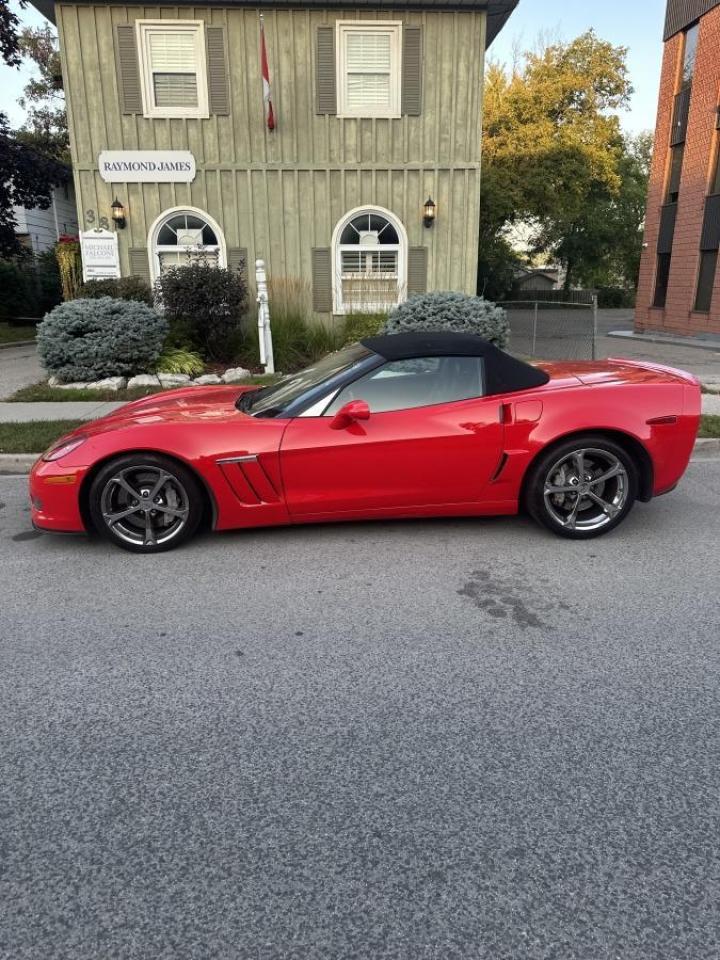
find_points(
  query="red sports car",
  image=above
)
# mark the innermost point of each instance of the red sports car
(412, 425)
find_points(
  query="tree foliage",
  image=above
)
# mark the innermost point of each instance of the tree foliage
(9, 39)
(45, 129)
(554, 155)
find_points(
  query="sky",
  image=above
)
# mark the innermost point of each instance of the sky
(636, 24)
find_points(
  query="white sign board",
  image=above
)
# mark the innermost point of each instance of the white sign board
(147, 166)
(99, 250)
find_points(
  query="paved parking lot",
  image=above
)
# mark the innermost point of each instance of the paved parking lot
(451, 739)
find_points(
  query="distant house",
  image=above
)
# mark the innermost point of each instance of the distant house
(39, 230)
(377, 109)
(541, 279)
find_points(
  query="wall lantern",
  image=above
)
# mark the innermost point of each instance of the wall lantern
(118, 214)
(429, 212)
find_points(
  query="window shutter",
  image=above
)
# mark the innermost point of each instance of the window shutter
(322, 280)
(417, 270)
(237, 261)
(218, 87)
(325, 71)
(666, 236)
(128, 70)
(412, 71)
(139, 266)
(710, 238)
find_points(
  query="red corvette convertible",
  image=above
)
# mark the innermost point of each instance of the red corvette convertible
(413, 425)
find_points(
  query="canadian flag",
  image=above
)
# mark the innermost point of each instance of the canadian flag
(267, 97)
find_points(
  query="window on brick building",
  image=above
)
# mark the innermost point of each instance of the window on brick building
(690, 56)
(706, 280)
(677, 155)
(662, 278)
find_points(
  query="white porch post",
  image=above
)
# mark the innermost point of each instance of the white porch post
(264, 333)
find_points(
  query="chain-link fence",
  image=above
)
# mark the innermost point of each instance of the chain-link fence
(552, 331)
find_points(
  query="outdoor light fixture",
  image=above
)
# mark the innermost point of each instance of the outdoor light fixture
(429, 212)
(118, 214)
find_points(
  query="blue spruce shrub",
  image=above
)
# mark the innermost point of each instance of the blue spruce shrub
(453, 313)
(84, 340)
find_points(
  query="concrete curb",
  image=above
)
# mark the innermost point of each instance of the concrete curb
(695, 342)
(18, 343)
(20, 464)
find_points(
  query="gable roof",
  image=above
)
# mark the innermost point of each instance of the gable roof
(498, 11)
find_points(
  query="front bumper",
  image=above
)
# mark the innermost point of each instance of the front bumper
(55, 497)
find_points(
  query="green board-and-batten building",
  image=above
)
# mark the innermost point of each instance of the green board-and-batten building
(378, 107)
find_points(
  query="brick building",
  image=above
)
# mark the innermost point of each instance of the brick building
(679, 289)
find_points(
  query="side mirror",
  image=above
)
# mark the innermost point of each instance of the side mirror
(349, 414)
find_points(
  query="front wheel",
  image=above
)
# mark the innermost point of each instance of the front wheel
(145, 503)
(583, 488)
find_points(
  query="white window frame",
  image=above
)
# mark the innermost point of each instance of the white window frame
(154, 250)
(339, 307)
(144, 29)
(394, 28)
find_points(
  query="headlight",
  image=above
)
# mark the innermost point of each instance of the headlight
(63, 449)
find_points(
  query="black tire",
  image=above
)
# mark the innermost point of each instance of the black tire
(610, 477)
(157, 504)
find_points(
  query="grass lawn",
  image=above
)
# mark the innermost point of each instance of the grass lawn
(709, 426)
(33, 437)
(42, 392)
(10, 334)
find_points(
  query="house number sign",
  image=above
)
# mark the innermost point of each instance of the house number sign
(147, 166)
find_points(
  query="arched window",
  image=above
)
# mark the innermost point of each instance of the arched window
(182, 236)
(370, 247)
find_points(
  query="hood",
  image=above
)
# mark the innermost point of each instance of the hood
(186, 405)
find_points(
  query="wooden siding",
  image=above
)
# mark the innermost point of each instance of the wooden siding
(280, 194)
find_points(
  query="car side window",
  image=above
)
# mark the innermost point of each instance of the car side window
(422, 382)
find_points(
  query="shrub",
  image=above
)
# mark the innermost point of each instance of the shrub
(204, 306)
(452, 312)
(121, 288)
(67, 252)
(48, 286)
(85, 340)
(613, 298)
(181, 361)
(357, 326)
(18, 295)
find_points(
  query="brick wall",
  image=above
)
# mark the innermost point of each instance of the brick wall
(700, 150)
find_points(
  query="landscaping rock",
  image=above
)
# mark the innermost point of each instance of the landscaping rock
(109, 383)
(54, 382)
(171, 380)
(208, 380)
(234, 374)
(72, 386)
(143, 380)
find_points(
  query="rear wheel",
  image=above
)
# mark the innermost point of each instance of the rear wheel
(583, 488)
(145, 503)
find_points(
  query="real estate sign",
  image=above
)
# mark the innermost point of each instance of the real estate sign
(147, 166)
(99, 251)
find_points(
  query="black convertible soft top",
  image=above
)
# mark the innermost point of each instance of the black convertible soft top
(503, 373)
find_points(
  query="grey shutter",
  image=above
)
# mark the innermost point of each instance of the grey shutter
(667, 228)
(711, 224)
(128, 68)
(325, 92)
(411, 71)
(218, 87)
(417, 270)
(139, 266)
(237, 261)
(322, 280)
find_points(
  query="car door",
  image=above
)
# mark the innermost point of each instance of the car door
(431, 439)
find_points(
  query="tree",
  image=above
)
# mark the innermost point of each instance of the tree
(46, 128)
(28, 172)
(553, 145)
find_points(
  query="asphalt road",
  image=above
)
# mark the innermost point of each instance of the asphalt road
(452, 739)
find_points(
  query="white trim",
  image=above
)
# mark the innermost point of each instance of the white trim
(392, 27)
(143, 29)
(402, 251)
(166, 215)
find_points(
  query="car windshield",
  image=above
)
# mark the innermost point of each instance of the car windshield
(272, 400)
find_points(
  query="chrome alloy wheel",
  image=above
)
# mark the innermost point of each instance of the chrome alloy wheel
(586, 490)
(145, 505)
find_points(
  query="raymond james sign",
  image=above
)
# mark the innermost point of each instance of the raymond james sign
(99, 251)
(147, 166)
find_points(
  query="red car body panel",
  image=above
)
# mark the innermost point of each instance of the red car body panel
(467, 457)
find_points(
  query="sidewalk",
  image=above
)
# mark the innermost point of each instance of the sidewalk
(70, 410)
